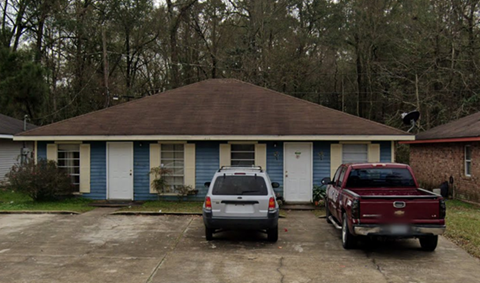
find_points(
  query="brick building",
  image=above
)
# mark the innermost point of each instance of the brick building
(450, 153)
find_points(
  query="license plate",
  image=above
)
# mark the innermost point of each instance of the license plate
(399, 229)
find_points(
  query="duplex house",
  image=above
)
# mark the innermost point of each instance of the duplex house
(195, 129)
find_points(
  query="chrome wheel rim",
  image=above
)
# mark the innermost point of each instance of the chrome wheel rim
(344, 230)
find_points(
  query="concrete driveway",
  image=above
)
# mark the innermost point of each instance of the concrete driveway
(98, 247)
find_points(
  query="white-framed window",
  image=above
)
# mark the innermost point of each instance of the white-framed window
(68, 160)
(242, 155)
(468, 160)
(173, 159)
(354, 153)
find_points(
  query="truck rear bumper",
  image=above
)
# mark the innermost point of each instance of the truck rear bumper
(399, 231)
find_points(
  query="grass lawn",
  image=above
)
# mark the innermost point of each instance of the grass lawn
(13, 201)
(463, 226)
(167, 207)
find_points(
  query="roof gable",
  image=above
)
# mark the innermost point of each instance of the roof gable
(216, 107)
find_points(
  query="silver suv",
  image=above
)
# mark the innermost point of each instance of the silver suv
(241, 198)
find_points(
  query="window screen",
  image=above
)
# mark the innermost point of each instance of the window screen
(173, 159)
(68, 160)
(354, 153)
(240, 185)
(242, 154)
(468, 160)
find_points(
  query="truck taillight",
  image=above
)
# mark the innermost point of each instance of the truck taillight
(443, 209)
(208, 204)
(355, 209)
(271, 205)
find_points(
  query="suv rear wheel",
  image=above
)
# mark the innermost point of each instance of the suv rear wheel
(272, 234)
(209, 234)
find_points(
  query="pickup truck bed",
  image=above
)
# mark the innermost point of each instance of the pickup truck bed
(383, 200)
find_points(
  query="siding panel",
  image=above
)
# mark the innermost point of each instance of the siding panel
(275, 164)
(141, 172)
(207, 161)
(98, 171)
(9, 155)
(41, 150)
(321, 161)
(385, 151)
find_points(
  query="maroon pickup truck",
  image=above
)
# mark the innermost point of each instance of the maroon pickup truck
(384, 200)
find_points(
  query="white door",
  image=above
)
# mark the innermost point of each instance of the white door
(298, 172)
(120, 170)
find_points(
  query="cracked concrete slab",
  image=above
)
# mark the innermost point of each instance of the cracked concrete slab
(99, 247)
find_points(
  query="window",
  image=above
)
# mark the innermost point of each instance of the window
(242, 155)
(380, 178)
(172, 158)
(354, 153)
(468, 160)
(341, 177)
(240, 185)
(69, 161)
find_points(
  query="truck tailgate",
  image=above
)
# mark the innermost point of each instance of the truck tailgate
(412, 211)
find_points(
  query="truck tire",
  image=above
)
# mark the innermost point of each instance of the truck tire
(348, 240)
(208, 234)
(272, 234)
(327, 212)
(429, 243)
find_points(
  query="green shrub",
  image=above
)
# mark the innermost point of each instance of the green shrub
(41, 181)
(319, 193)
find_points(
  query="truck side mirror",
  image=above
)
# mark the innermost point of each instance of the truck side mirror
(326, 181)
(207, 184)
(275, 185)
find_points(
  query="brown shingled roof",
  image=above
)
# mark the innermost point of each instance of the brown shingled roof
(216, 107)
(12, 126)
(465, 127)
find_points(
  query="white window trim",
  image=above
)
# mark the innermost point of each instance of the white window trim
(467, 160)
(79, 160)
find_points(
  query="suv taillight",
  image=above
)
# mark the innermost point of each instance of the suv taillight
(271, 205)
(208, 204)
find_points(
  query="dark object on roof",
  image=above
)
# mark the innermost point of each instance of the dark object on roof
(465, 127)
(216, 107)
(12, 126)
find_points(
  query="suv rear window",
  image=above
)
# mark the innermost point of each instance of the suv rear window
(380, 178)
(240, 185)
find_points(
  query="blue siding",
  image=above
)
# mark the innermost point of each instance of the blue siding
(98, 171)
(141, 171)
(207, 161)
(385, 151)
(275, 164)
(321, 161)
(42, 150)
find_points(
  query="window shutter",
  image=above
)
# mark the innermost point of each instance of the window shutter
(189, 165)
(335, 157)
(85, 168)
(261, 155)
(52, 152)
(374, 152)
(154, 162)
(225, 154)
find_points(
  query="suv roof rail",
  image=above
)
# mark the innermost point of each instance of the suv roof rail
(252, 168)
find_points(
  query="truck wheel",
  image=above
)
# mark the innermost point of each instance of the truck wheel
(429, 243)
(272, 234)
(327, 212)
(208, 234)
(348, 240)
